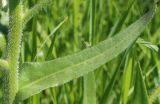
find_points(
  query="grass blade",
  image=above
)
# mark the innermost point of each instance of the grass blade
(76, 16)
(2, 44)
(118, 25)
(48, 37)
(35, 10)
(109, 88)
(154, 95)
(34, 38)
(140, 91)
(126, 80)
(35, 77)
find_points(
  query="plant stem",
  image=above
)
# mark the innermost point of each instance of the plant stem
(13, 49)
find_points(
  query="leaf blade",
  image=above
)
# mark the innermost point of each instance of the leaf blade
(2, 44)
(34, 78)
(127, 79)
(35, 10)
(89, 89)
(140, 91)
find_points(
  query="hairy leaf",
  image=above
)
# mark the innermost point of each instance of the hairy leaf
(35, 77)
(89, 89)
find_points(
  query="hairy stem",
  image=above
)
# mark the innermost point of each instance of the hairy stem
(11, 76)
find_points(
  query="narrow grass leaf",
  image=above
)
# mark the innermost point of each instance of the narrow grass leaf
(154, 94)
(126, 80)
(140, 91)
(37, 76)
(35, 10)
(109, 88)
(0, 4)
(2, 43)
(118, 25)
(34, 38)
(48, 37)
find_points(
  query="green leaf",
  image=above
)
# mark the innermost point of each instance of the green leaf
(89, 89)
(121, 21)
(34, 38)
(3, 65)
(35, 10)
(107, 93)
(140, 91)
(148, 44)
(35, 77)
(0, 4)
(126, 80)
(2, 43)
(154, 94)
(53, 39)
